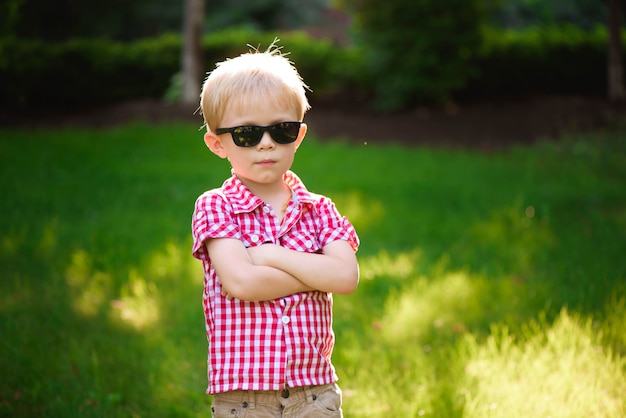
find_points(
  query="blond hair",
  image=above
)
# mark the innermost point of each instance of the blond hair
(250, 77)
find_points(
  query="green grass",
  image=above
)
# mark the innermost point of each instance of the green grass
(493, 285)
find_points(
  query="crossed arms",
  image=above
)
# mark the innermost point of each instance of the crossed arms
(270, 271)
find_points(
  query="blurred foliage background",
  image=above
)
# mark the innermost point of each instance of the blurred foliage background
(393, 54)
(124, 20)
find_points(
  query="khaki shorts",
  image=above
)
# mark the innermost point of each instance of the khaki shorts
(300, 402)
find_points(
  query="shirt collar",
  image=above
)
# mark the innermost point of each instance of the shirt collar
(243, 200)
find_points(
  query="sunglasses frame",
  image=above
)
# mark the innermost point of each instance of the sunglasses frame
(251, 135)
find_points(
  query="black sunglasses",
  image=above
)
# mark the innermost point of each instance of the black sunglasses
(250, 135)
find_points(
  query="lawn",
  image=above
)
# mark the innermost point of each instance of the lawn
(492, 285)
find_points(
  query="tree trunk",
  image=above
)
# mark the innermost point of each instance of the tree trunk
(192, 50)
(615, 62)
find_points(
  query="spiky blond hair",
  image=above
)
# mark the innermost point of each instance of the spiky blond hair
(256, 76)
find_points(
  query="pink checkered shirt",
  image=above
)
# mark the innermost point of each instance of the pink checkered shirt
(287, 341)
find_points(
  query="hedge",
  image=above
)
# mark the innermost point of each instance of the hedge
(544, 60)
(86, 72)
(91, 72)
(418, 50)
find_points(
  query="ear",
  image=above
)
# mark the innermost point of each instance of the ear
(214, 143)
(301, 135)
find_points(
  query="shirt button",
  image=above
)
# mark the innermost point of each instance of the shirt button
(308, 244)
(266, 209)
(254, 238)
(285, 320)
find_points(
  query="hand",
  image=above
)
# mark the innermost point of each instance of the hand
(261, 254)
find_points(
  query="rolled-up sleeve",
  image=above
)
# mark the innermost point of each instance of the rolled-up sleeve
(334, 226)
(212, 218)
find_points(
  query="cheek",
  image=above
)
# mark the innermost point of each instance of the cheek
(288, 161)
(243, 155)
(289, 155)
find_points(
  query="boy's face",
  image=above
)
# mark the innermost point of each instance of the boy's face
(264, 164)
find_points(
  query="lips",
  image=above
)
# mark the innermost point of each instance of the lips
(266, 163)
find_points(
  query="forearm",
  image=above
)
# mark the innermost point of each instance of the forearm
(334, 271)
(241, 278)
(257, 283)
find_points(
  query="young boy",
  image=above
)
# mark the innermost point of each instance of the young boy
(272, 252)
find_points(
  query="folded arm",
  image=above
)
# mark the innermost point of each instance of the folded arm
(336, 270)
(243, 279)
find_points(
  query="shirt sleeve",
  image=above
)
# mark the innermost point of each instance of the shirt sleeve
(334, 226)
(212, 218)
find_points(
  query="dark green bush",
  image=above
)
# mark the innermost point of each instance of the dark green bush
(541, 60)
(93, 72)
(418, 50)
(83, 73)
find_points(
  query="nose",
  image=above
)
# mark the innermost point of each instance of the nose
(266, 141)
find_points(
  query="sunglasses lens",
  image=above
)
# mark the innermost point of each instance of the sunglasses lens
(247, 136)
(285, 132)
(250, 135)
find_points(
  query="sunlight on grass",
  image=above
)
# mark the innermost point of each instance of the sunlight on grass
(614, 331)
(380, 383)
(431, 307)
(142, 296)
(400, 265)
(558, 370)
(412, 368)
(360, 209)
(434, 301)
(138, 304)
(91, 288)
(412, 364)
(167, 262)
(148, 302)
(173, 263)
